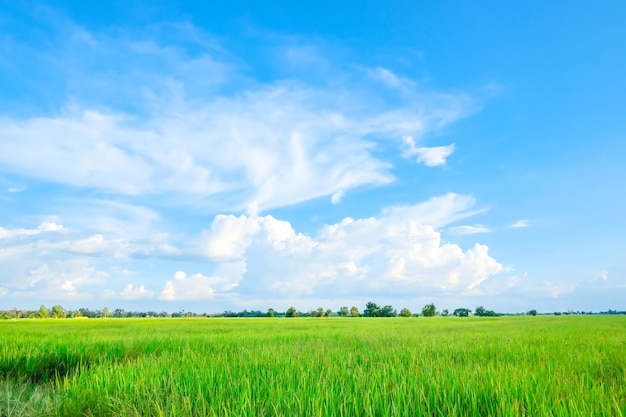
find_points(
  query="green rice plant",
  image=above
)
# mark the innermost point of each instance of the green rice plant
(445, 366)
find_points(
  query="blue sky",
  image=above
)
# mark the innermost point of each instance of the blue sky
(268, 154)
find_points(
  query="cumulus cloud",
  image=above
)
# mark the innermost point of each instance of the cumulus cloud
(183, 287)
(60, 279)
(249, 257)
(429, 156)
(53, 261)
(397, 252)
(49, 227)
(131, 293)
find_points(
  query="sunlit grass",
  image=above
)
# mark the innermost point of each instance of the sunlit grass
(536, 366)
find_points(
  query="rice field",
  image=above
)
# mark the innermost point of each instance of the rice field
(442, 366)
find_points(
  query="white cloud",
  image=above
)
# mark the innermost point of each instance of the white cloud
(276, 143)
(199, 287)
(131, 293)
(59, 262)
(468, 230)
(94, 245)
(520, 223)
(116, 270)
(16, 189)
(229, 236)
(604, 275)
(191, 125)
(390, 79)
(50, 227)
(437, 211)
(61, 279)
(429, 156)
(9, 233)
(336, 198)
(43, 228)
(398, 252)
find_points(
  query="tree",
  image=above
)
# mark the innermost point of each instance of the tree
(429, 310)
(462, 312)
(343, 312)
(387, 311)
(532, 313)
(43, 313)
(105, 313)
(371, 309)
(319, 312)
(271, 312)
(354, 312)
(57, 312)
(405, 312)
(445, 312)
(480, 311)
(328, 312)
(291, 312)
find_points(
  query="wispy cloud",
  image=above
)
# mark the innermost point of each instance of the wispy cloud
(520, 223)
(198, 127)
(391, 80)
(468, 230)
(429, 156)
(42, 228)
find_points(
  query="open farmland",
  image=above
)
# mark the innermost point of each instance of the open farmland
(537, 366)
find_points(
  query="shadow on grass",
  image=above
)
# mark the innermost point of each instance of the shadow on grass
(60, 361)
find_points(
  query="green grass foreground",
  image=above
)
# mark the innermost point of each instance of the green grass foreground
(443, 366)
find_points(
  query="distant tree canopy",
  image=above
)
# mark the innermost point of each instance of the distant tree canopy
(43, 312)
(373, 310)
(462, 312)
(57, 312)
(429, 310)
(291, 312)
(481, 312)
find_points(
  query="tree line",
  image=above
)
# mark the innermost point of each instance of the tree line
(371, 310)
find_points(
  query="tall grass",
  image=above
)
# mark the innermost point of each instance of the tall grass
(535, 366)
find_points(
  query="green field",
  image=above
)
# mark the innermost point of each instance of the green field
(445, 366)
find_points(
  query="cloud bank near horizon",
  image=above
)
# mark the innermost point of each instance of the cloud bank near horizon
(256, 257)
